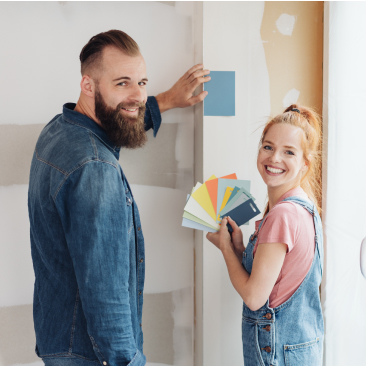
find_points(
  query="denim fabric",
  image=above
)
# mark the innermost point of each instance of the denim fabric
(292, 333)
(87, 244)
(69, 361)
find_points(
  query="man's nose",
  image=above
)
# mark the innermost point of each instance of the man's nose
(137, 94)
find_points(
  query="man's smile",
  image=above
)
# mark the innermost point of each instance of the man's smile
(130, 110)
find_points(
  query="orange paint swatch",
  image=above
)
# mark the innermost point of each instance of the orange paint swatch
(213, 185)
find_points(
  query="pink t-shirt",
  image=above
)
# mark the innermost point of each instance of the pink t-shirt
(291, 224)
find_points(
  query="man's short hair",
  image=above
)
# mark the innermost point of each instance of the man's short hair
(91, 54)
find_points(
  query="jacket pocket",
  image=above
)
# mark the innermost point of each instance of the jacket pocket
(309, 353)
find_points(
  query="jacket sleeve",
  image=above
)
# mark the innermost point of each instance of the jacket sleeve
(152, 115)
(94, 214)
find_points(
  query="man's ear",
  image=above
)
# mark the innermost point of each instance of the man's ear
(87, 86)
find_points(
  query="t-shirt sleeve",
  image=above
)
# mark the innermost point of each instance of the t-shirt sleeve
(280, 226)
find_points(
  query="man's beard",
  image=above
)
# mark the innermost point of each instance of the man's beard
(124, 131)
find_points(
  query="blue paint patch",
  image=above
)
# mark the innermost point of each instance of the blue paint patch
(220, 100)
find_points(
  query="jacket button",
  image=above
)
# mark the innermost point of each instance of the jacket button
(140, 325)
(141, 260)
(140, 293)
(268, 316)
(139, 229)
(104, 363)
(267, 349)
(267, 328)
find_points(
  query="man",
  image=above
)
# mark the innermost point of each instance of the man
(86, 237)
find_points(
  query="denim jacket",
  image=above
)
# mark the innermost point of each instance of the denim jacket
(87, 244)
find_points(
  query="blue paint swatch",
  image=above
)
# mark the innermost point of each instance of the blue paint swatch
(243, 213)
(220, 100)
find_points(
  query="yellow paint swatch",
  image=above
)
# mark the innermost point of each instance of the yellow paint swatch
(227, 194)
(202, 196)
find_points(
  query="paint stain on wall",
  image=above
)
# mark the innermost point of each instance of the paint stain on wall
(285, 24)
(154, 165)
(292, 36)
(290, 98)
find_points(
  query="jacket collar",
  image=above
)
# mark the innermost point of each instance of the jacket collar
(80, 119)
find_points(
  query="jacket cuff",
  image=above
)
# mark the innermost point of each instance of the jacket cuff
(138, 360)
(152, 115)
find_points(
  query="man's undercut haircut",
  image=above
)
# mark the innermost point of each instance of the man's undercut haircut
(91, 54)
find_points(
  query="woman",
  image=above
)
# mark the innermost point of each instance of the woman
(279, 272)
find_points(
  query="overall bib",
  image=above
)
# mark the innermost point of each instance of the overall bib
(292, 333)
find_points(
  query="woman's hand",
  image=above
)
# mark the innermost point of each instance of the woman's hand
(224, 242)
(236, 237)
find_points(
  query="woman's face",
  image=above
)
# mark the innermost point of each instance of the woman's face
(280, 159)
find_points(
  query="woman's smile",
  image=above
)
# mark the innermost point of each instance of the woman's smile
(271, 170)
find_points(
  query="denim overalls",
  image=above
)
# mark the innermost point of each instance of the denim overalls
(292, 333)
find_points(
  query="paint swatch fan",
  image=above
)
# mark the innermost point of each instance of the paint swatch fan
(209, 202)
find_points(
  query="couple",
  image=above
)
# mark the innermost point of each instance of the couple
(86, 237)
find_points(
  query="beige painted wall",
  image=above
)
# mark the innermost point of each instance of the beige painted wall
(294, 61)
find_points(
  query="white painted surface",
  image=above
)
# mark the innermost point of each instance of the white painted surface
(231, 145)
(363, 257)
(40, 72)
(16, 270)
(344, 194)
(44, 39)
(182, 333)
(285, 24)
(291, 98)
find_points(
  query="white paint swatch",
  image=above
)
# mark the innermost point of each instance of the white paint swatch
(194, 208)
(290, 98)
(285, 24)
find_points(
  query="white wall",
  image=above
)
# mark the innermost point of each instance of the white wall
(344, 194)
(232, 42)
(39, 49)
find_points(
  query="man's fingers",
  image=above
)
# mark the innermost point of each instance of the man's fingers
(192, 70)
(198, 74)
(198, 98)
(198, 81)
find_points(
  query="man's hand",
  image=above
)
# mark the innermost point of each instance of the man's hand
(180, 95)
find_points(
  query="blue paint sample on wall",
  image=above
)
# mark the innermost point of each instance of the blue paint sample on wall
(220, 100)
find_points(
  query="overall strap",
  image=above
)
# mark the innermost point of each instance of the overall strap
(311, 208)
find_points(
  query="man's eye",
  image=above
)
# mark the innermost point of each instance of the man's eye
(122, 83)
(142, 83)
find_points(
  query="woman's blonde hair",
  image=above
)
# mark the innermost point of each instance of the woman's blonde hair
(310, 122)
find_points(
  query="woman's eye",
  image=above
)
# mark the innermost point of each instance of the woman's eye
(289, 152)
(267, 147)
